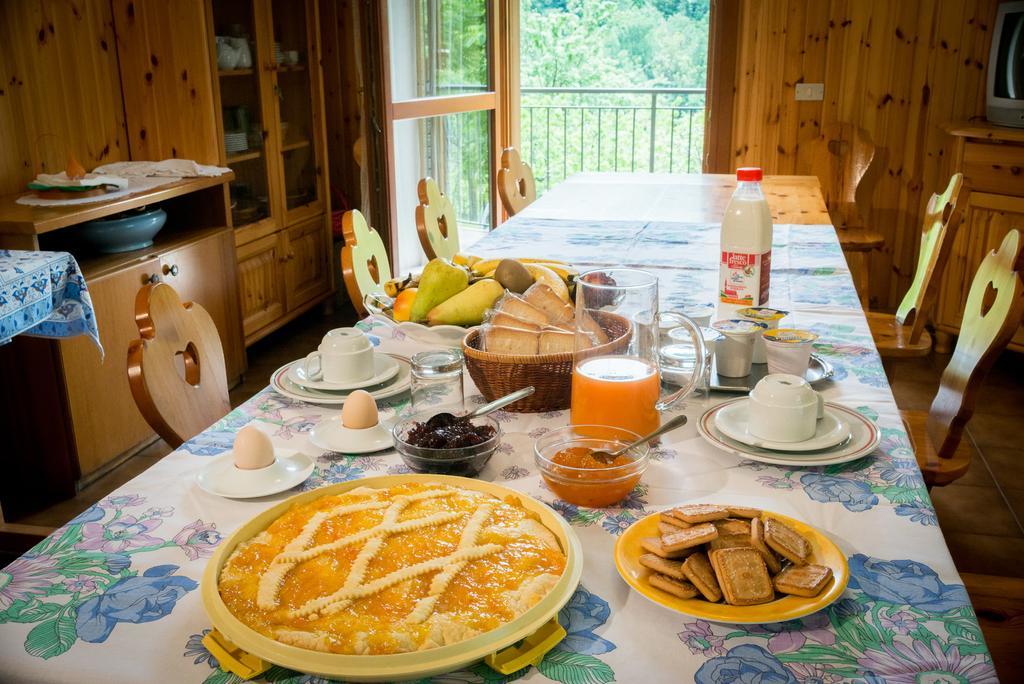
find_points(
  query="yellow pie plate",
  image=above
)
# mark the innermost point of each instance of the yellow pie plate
(246, 652)
(824, 552)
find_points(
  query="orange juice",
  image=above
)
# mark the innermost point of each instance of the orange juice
(620, 391)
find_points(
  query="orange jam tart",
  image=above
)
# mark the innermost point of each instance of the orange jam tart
(378, 571)
(581, 479)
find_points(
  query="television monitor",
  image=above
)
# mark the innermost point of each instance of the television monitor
(1005, 91)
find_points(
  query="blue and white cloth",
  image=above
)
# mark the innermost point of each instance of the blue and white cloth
(43, 294)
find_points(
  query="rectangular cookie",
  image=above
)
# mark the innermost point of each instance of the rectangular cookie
(757, 541)
(742, 576)
(666, 528)
(786, 541)
(743, 512)
(681, 589)
(688, 538)
(669, 518)
(671, 568)
(729, 526)
(698, 570)
(654, 545)
(799, 580)
(698, 513)
(729, 541)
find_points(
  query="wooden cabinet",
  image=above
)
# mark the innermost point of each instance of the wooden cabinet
(990, 158)
(273, 138)
(68, 414)
(261, 283)
(119, 427)
(307, 271)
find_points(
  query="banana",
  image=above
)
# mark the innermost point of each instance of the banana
(543, 274)
(467, 260)
(484, 266)
(563, 271)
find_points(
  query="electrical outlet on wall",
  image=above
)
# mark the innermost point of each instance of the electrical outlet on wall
(813, 92)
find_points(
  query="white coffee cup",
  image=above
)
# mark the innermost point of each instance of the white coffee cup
(734, 353)
(344, 355)
(784, 408)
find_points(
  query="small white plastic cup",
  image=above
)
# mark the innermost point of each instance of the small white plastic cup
(762, 314)
(789, 350)
(734, 353)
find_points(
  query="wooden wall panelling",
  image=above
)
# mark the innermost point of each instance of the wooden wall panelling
(167, 79)
(59, 88)
(897, 69)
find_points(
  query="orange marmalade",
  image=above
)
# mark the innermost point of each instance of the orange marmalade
(586, 481)
(378, 571)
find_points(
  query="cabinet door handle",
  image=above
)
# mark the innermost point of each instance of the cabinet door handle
(172, 270)
(153, 279)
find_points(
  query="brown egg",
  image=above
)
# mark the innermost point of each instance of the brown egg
(359, 411)
(253, 449)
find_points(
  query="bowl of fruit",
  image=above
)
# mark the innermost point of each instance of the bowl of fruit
(449, 297)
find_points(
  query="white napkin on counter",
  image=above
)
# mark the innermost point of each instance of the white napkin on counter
(170, 168)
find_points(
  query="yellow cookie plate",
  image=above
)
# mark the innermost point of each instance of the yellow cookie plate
(824, 552)
(247, 653)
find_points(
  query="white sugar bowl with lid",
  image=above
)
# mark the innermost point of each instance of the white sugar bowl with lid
(784, 408)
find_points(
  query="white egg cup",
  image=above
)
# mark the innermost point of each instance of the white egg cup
(332, 435)
(222, 477)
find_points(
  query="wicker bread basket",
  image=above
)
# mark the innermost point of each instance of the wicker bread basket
(551, 374)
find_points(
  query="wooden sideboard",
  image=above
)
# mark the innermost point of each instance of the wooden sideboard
(992, 161)
(67, 414)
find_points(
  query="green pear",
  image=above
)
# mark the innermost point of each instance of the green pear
(439, 281)
(468, 306)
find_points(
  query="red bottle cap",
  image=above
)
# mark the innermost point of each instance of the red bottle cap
(749, 173)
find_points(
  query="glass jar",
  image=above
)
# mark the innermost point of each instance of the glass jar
(437, 381)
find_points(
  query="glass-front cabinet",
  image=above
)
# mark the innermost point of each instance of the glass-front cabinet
(266, 55)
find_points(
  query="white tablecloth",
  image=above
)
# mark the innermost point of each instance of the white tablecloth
(113, 596)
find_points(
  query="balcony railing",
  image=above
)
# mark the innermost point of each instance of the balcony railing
(567, 130)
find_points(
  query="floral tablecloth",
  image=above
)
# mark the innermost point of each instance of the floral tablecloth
(44, 294)
(113, 595)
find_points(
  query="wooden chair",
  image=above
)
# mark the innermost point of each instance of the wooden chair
(364, 260)
(849, 166)
(436, 222)
(516, 185)
(176, 371)
(893, 337)
(994, 309)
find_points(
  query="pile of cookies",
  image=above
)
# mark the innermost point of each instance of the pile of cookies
(730, 552)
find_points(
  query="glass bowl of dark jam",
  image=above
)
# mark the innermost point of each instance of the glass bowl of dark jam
(453, 447)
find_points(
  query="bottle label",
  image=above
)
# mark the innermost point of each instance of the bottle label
(744, 278)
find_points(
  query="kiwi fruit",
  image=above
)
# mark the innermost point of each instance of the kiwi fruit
(513, 276)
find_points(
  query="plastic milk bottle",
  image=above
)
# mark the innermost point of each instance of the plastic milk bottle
(746, 243)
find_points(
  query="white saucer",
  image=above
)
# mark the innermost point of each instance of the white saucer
(864, 438)
(284, 386)
(222, 478)
(331, 435)
(733, 420)
(384, 368)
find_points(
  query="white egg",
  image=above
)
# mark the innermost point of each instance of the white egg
(253, 449)
(359, 411)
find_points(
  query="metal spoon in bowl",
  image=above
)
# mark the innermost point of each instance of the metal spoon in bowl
(606, 457)
(445, 419)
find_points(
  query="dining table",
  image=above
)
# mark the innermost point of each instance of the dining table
(113, 595)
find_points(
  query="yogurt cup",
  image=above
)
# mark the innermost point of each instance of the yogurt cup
(676, 357)
(733, 355)
(762, 314)
(789, 350)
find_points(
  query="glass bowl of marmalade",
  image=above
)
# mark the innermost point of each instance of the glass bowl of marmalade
(565, 458)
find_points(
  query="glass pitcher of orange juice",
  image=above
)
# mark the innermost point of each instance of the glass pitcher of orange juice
(615, 377)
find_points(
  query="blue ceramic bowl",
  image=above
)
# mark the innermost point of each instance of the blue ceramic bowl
(133, 230)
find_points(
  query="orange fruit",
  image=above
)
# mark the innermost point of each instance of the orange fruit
(403, 304)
